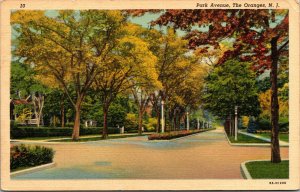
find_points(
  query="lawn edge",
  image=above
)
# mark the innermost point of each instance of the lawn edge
(265, 139)
(244, 171)
(33, 169)
(246, 144)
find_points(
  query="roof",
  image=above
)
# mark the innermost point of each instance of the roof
(20, 101)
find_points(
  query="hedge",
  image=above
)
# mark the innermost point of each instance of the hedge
(23, 132)
(175, 134)
(265, 124)
(29, 156)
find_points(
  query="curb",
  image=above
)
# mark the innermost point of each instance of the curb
(33, 169)
(58, 141)
(183, 137)
(244, 171)
(250, 144)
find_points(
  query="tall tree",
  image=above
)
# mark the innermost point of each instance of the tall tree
(129, 60)
(67, 50)
(229, 85)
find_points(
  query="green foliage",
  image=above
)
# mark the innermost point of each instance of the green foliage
(150, 124)
(29, 156)
(231, 84)
(22, 82)
(263, 124)
(24, 115)
(245, 121)
(131, 122)
(252, 126)
(284, 124)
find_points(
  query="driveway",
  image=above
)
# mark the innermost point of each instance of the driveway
(203, 156)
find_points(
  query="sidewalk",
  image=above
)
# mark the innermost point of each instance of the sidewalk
(281, 143)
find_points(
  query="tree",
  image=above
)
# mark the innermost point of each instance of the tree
(129, 60)
(67, 50)
(171, 68)
(24, 84)
(262, 35)
(231, 84)
(147, 81)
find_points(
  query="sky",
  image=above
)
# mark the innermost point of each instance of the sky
(144, 21)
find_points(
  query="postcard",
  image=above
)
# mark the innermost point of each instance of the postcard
(149, 95)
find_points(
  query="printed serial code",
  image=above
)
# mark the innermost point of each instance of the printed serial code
(277, 182)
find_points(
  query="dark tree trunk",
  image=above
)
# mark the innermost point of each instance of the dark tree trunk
(76, 128)
(275, 149)
(140, 121)
(158, 121)
(62, 111)
(174, 121)
(105, 128)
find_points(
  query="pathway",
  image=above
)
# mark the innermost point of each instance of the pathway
(203, 156)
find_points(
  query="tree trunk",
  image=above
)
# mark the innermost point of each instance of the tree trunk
(158, 122)
(105, 128)
(62, 111)
(140, 121)
(174, 122)
(275, 149)
(76, 128)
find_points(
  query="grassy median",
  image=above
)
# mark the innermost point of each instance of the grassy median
(241, 138)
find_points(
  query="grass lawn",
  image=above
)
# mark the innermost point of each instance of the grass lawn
(282, 136)
(96, 138)
(245, 139)
(268, 170)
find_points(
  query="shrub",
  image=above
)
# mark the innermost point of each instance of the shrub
(284, 124)
(23, 132)
(13, 124)
(264, 124)
(69, 124)
(151, 124)
(29, 156)
(252, 126)
(245, 121)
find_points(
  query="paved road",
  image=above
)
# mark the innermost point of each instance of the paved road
(203, 156)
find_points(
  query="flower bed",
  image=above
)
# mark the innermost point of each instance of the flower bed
(24, 156)
(175, 134)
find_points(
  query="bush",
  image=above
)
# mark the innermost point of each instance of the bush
(151, 124)
(264, 124)
(69, 124)
(13, 124)
(245, 122)
(252, 126)
(23, 132)
(29, 156)
(284, 124)
(131, 121)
